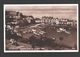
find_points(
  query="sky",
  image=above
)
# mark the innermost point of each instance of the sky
(69, 12)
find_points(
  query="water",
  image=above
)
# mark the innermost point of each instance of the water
(68, 39)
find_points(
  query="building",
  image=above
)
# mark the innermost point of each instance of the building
(56, 21)
(30, 19)
(37, 20)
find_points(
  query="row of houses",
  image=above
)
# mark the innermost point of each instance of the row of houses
(57, 21)
(17, 16)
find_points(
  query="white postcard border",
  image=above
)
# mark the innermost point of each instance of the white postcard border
(44, 5)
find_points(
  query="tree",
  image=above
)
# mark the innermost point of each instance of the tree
(25, 22)
(61, 39)
(20, 22)
(40, 42)
(33, 41)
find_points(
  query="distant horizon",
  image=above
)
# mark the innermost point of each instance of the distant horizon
(66, 12)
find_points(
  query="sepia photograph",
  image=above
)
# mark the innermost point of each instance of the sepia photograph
(41, 28)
